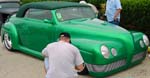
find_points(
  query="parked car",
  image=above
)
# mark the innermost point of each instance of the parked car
(8, 7)
(105, 48)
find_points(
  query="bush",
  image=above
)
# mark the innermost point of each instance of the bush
(136, 15)
(96, 2)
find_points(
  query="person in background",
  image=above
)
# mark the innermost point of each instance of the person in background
(64, 59)
(113, 10)
(91, 5)
(149, 52)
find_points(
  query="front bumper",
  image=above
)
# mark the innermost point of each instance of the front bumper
(108, 69)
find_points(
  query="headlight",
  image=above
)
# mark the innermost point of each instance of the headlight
(141, 43)
(114, 52)
(145, 39)
(105, 52)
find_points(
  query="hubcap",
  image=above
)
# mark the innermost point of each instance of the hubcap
(7, 41)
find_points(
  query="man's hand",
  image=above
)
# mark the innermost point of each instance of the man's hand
(80, 67)
(115, 19)
(103, 17)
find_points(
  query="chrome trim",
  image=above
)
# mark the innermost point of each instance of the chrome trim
(138, 56)
(106, 68)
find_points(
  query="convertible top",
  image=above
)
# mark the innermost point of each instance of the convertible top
(51, 5)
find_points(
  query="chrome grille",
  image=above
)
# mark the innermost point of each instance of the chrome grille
(106, 68)
(138, 56)
(115, 65)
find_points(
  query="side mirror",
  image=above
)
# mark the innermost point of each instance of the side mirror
(48, 21)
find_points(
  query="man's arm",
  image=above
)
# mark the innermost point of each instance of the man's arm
(78, 61)
(44, 52)
(118, 11)
(119, 8)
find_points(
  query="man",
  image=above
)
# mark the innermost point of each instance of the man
(113, 10)
(91, 5)
(149, 52)
(64, 59)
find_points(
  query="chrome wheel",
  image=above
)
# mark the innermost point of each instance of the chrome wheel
(7, 41)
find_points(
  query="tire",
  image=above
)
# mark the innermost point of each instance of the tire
(84, 72)
(7, 41)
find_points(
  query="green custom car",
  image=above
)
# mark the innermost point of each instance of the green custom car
(105, 48)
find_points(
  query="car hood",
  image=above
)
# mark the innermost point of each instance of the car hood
(95, 27)
(98, 30)
(8, 10)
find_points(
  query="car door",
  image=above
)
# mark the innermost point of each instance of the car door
(34, 32)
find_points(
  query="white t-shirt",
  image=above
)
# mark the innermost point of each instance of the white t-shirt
(63, 57)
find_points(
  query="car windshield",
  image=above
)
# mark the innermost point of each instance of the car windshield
(9, 5)
(70, 13)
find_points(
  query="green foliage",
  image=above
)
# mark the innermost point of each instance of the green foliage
(136, 15)
(96, 2)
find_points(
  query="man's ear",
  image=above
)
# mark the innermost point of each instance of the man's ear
(68, 40)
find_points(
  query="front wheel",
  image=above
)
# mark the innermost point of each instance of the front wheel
(7, 41)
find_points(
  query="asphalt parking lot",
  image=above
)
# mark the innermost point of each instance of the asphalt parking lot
(19, 65)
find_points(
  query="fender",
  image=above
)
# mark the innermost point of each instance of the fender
(12, 32)
(137, 36)
(90, 50)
